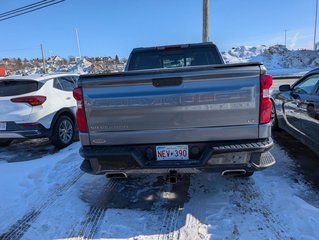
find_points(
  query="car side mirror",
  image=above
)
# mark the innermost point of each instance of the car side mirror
(284, 88)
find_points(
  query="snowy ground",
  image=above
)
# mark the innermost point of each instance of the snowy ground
(48, 197)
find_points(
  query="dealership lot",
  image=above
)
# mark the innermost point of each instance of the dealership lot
(43, 187)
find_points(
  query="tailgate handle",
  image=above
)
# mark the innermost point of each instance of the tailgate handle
(166, 82)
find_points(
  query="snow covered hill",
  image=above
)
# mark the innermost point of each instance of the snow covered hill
(277, 58)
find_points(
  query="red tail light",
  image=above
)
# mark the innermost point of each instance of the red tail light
(32, 100)
(80, 113)
(265, 102)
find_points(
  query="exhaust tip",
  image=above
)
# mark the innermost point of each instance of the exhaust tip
(234, 172)
(116, 175)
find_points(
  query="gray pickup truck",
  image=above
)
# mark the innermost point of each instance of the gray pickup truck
(176, 109)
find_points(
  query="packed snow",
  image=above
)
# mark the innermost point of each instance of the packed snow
(50, 198)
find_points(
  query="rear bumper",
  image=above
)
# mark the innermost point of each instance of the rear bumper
(19, 131)
(207, 156)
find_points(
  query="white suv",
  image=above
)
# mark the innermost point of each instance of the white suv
(37, 106)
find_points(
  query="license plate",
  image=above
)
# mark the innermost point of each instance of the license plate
(172, 152)
(3, 126)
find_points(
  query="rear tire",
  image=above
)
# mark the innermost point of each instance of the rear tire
(63, 132)
(5, 143)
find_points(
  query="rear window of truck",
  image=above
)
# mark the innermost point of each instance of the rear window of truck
(13, 87)
(174, 58)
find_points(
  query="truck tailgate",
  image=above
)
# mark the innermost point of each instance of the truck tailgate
(174, 105)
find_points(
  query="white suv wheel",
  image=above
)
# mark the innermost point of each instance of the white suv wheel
(63, 132)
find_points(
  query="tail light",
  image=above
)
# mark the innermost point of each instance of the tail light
(32, 100)
(80, 113)
(265, 102)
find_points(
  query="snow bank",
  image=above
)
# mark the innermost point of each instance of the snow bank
(277, 59)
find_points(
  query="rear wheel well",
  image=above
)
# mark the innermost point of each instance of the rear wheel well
(66, 113)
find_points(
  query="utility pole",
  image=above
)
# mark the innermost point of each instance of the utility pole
(43, 60)
(206, 20)
(315, 35)
(285, 38)
(78, 42)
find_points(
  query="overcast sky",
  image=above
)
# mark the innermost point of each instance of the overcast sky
(110, 27)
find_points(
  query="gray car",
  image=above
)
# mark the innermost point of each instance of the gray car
(296, 109)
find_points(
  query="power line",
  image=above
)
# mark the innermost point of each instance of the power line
(20, 9)
(35, 8)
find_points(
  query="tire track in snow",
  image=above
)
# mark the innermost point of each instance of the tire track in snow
(245, 203)
(21, 226)
(170, 220)
(91, 222)
(247, 200)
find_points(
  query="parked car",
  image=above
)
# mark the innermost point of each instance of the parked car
(37, 106)
(176, 109)
(296, 109)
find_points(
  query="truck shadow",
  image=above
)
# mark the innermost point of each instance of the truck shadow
(137, 193)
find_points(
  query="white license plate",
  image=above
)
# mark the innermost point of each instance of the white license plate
(3, 126)
(172, 152)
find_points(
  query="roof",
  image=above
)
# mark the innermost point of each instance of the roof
(39, 77)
